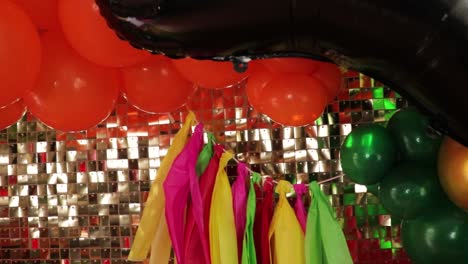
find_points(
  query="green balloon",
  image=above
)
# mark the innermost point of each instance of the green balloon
(413, 136)
(410, 189)
(367, 153)
(439, 237)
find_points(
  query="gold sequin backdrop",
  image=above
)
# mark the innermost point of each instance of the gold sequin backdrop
(71, 198)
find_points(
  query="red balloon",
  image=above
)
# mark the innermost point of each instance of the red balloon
(209, 74)
(331, 77)
(43, 13)
(291, 65)
(20, 53)
(11, 113)
(156, 86)
(89, 34)
(294, 99)
(71, 93)
(259, 77)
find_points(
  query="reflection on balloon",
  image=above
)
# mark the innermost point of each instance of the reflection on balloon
(413, 137)
(453, 171)
(259, 77)
(11, 113)
(90, 36)
(293, 99)
(43, 13)
(291, 65)
(330, 75)
(367, 154)
(20, 53)
(410, 189)
(71, 94)
(156, 86)
(437, 237)
(209, 74)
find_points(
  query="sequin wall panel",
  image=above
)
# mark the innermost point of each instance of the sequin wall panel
(69, 198)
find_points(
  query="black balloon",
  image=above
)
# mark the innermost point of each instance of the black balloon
(417, 47)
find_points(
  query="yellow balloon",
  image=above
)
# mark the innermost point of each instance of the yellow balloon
(453, 171)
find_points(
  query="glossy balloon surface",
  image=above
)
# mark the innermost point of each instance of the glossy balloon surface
(11, 113)
(291, 65)
(453, 171)
(410, 189)
(20, 53)
(439, 236)
(413, 136)
(331, 77)
(367, 154)
(71, 93)
(259, 77)
(43, 13)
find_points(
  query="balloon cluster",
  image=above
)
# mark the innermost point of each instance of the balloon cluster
(67, 67)
(403, 159)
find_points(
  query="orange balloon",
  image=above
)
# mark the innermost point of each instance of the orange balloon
(71, 94)
(43, 13)
(259, 77)
(11, 113)
(90, 36)
(291, 65)
(453, 171)
(20, 53)
(294, 99)
(330, 75)
(209, 74)
(156, 86)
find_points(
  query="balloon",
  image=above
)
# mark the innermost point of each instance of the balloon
(89, 35)
(259, 77)
(411, 132)
(291, 65)
(453, 171)
(209, 74)
(410, 189)
(10, 114)
(71, 93)
(330, 75)
(20, 53)
(43, 13)
(293, 99)
(156, 86)
(437, 237)
(367, 153)
(345, 31)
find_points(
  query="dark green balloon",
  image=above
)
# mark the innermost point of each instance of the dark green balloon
(439, 237)
(414, 138)
(367, 153)
(410, 189)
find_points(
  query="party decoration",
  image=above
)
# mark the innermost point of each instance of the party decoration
(263, 218)
(249, 255)
(437, 237)
(43, 13)
(194, 252)
(324, 240)
(331, 77)
(205, 155)
(71, 93)
(153, 215)
(286, 235)
(291, 65)
(413, 137)
(223, 241)
(89, 35)
(259, 77)
(318, 30)
(453, 171)
(20, 53)
(239, 196)
(367, 153)
(293, 99)
(10, 114)
(155, 86)
(410, 189)
(209, 74)
(300, 190)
